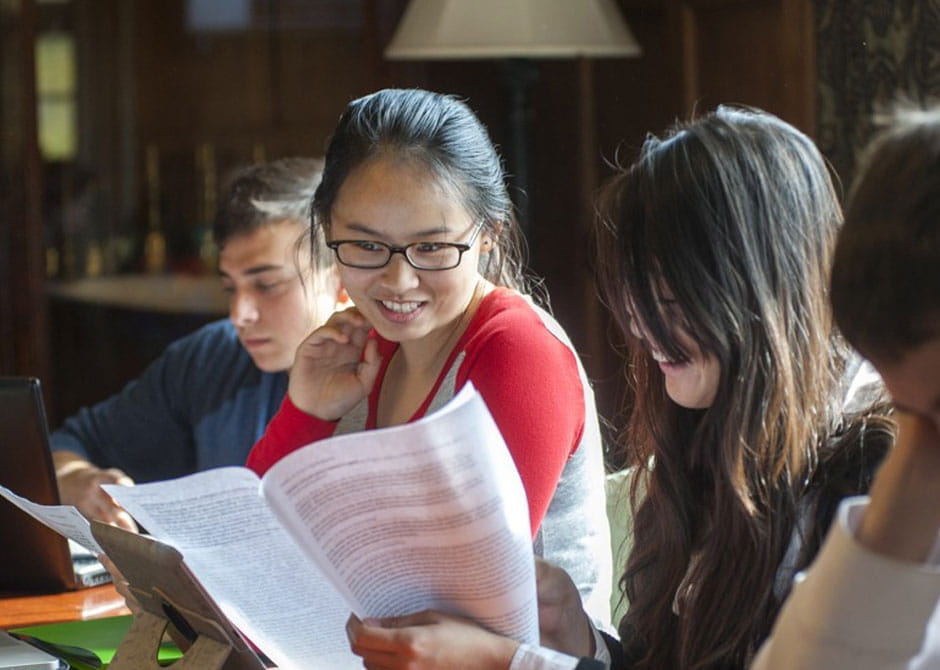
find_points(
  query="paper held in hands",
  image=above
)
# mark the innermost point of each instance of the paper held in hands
(426, 515)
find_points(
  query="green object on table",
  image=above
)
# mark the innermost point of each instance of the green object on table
(99, 636)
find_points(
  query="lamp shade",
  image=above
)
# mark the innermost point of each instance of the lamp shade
(467, 29)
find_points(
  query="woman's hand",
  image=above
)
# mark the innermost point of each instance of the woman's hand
(335, 366)
(563, 624)
(428, 641)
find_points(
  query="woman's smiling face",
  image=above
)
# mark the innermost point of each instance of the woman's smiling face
(399, 202)
(692, 383)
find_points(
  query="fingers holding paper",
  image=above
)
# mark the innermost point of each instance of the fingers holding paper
(428, 641)
(563, 624)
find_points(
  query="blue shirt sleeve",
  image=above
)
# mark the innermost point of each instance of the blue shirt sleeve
(199, 405)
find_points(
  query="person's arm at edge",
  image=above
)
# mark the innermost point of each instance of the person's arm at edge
(866, 600)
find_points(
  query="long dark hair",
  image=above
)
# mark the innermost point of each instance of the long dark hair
(441, 133)
(735, 215)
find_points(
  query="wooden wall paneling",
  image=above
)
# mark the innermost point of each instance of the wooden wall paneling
(23, 344)
(798, 46)
(106, 122)
(380, 18)
(275, 80)
(599, 358)
(283, 90)
(275, 88)
(263, 92)
(686, 54)
(633, 97)
(753, 52)
(320, 73)
(167, 105)
(636, 96)
(11, 206)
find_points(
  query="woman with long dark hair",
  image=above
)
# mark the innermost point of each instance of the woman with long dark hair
(716, 252)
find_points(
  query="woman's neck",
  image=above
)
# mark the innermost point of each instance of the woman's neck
(414, 368)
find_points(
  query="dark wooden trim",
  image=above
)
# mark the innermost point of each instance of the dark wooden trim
(32, 355)
(24, 343)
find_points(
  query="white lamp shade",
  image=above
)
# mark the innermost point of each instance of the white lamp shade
(464, 29)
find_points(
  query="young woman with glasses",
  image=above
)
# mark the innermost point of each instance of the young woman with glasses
(414, 205)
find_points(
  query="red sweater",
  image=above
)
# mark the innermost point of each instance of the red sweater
(527, 377)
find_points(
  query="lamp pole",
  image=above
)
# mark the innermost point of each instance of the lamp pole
(518, 76)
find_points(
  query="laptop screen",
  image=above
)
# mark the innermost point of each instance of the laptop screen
(34, 558)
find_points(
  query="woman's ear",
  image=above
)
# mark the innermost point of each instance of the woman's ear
(342, 297)
(490, 235)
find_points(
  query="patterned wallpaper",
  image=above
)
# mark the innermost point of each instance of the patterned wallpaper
(871, 53)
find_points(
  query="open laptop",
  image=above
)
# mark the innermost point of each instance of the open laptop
(34, 558)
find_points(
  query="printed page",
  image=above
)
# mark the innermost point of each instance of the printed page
(247, 563)
(63, 519)
(430, 514)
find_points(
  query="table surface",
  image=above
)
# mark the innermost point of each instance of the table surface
(18, 610)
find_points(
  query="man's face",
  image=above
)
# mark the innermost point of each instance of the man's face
(274, 301)
(914, 381)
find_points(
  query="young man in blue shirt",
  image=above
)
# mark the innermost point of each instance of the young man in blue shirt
(205, 401)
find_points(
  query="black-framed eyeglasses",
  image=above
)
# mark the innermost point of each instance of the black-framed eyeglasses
(371, 254)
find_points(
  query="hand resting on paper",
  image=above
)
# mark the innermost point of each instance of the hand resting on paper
(335, 367)
(80, 483)
(563, 624)
(428, 641)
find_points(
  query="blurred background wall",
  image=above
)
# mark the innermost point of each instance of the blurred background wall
(119, 119)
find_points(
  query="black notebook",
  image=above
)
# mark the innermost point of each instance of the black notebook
(34, 558)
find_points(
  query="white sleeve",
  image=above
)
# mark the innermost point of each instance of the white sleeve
(601, 652)
(528, 657)
(857, 610)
